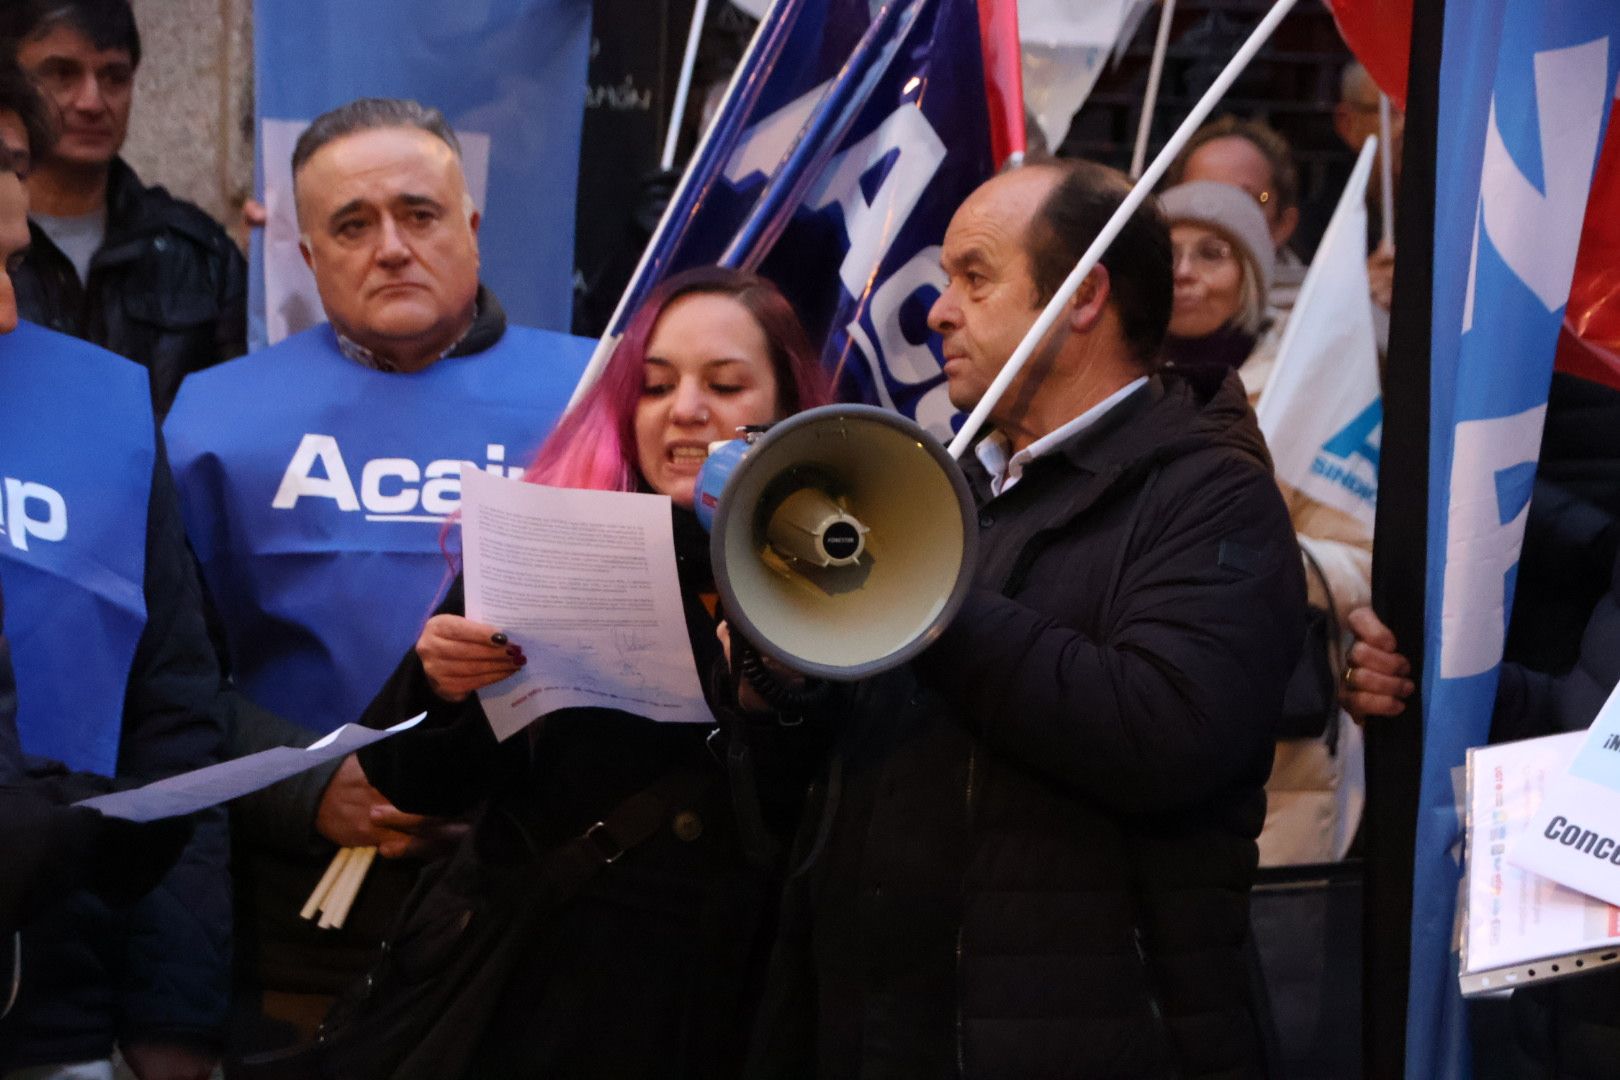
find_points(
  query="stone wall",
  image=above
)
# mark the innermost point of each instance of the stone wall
(193, 91)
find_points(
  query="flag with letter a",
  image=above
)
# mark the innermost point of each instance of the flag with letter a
(846, 141)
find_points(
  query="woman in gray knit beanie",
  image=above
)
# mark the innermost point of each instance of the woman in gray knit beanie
(1223, 266)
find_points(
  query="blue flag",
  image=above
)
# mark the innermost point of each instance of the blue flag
(863, 133)
(1525, 93)
(77, 449)
(318, 516)
(509, 75)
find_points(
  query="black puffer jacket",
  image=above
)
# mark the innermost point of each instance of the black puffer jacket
(158, 969)
(1038, 841)
(1573, 531)
(168, 288)
(653, 968)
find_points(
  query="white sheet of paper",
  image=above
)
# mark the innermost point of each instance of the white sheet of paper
(585, 582)
(215, 784)
(1575, 836)
(1515, 917)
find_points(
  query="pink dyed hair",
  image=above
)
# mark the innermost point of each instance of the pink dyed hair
(594, 445)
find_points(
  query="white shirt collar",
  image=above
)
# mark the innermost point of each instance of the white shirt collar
(1005, 471)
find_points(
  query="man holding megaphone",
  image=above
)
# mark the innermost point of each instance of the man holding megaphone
(1033, 850)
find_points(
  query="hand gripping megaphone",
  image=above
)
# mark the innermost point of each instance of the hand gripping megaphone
(842, 539)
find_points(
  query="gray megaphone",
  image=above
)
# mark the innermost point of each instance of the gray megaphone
(843, 538)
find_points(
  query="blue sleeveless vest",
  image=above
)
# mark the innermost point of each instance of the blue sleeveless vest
(77, 449)
(315, 492)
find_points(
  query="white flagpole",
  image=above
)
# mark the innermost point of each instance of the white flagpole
(1386, 174)
(604, 348)
(1150, 100)
(1088, 262)
(684, 86)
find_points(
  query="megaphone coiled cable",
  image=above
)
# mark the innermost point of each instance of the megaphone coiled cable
(777, 693)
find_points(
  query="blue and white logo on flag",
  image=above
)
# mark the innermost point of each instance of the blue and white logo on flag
(1525, 92)
(1350, 458)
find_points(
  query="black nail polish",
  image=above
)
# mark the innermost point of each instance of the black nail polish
(498, 638)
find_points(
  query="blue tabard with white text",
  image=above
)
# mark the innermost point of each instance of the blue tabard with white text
(316, 493)
(77, 449)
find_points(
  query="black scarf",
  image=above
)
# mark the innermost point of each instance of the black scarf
(1226, 348)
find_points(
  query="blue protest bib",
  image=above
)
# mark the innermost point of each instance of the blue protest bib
(315, 492)
(77, 448)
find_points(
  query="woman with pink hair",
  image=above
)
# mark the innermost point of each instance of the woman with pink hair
(608, 913)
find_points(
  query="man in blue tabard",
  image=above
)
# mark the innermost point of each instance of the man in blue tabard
(316, 479)
(114, 675)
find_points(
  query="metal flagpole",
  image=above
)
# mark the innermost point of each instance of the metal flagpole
(684, 86)
(1386, 176)
(1088, 262)
(1161, 45)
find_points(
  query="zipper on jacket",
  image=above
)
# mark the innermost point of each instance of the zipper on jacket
(16, 972)
(968, 795)
(1155, 1006)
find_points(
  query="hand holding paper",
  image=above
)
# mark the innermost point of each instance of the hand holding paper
(215, 784)
(460, 656)
(584, 582)
(353, 814)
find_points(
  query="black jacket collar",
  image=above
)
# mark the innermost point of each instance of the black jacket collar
(488, 326)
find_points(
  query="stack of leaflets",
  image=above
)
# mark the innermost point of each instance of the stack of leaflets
(1524, 925)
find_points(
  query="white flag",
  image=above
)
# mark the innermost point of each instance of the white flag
(1322, 409)
(1065, 47)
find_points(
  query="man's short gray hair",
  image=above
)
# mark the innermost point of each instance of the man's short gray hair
(366, 114)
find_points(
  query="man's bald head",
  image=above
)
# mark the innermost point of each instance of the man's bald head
(1080, 199)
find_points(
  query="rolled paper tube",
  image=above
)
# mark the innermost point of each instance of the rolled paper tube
(353, 878)
(324, 886)
(329, 902)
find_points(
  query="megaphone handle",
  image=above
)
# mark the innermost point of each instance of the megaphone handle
(791, 701)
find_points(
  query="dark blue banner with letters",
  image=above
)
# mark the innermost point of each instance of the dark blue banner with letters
(862, 133)
(318, 515)
(77, 448)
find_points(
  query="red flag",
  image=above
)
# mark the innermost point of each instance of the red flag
(1589, 344)
(1379, 32)
(1003, 77)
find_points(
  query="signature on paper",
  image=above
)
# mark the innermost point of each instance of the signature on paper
(632, 646)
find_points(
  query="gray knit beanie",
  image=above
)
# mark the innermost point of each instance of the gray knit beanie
(1231, 210)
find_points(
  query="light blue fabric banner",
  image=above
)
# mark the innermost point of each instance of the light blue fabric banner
(77, 449)
(1525, 92)
(319, 516)
(509, 75)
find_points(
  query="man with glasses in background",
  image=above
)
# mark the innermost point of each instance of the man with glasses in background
(112, 261)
